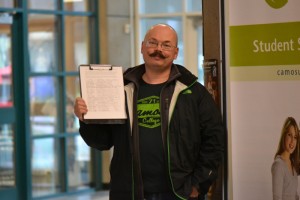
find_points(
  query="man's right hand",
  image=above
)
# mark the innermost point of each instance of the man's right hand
(80, 108)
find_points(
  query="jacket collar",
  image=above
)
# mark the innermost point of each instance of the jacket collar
(178, 72)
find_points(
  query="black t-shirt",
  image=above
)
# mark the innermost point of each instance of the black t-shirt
(153, 163)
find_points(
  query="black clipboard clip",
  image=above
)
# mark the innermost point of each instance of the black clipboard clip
(110, 67)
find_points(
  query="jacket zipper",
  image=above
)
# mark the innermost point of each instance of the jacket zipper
(168, 145)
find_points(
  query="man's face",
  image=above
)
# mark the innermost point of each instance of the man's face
(291, 140)
(159, 48)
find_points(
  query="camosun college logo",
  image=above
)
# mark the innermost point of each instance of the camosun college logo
(276, 4)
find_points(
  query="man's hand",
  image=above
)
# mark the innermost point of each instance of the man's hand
(80, 108)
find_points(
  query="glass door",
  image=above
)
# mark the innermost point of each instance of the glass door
(7, 112)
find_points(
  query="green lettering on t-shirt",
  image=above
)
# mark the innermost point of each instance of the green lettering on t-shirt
(149, 112)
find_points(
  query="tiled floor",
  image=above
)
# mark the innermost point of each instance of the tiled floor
(102, 195)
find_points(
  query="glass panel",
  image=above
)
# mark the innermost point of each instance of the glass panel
(176, 23)
(7, 3)
(44, 4)
(7, 164)
(76, 42)
(200, 54)
(46, 178)
(159, 6)
(76, 5)
(6, 98)
(194, 6)
(79, 164)
(42, 43)
(73, 91)
(43, 105)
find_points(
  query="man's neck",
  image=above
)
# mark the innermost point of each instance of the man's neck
(156, 77)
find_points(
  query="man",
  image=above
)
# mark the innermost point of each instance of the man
(172, 142)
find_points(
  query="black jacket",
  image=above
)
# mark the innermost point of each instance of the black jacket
(193, 137)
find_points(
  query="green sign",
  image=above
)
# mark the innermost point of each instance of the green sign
(265, 44)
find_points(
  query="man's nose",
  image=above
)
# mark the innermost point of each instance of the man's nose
(159, 47)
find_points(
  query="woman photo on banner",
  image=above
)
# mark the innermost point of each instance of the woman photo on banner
(285, 168)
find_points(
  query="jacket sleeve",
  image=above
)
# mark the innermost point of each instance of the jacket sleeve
(212, 144)
(98, 136)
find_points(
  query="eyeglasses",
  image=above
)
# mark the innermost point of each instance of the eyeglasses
(164, 46)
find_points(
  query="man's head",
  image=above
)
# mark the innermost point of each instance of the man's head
(159, 47)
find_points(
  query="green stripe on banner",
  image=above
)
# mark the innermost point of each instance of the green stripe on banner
(265, 44)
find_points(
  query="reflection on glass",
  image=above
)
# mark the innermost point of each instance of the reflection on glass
(76, 5)
(79, 163)
(200, 54)
(76, 42)
(7, 3)
(44, 5)
(7, 164)
(159, 6)
(175, 22)
(73, 91)
(6, 98)
(42, 43)
(43, 105)
(45, 167)
(194, 5)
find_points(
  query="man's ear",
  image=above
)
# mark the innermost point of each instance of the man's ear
(142, 47)
(176, 53)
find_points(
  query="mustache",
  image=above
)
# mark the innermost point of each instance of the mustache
(157, 53)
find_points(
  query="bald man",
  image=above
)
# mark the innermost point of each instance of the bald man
(172, 142)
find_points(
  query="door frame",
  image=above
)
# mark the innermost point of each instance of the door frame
(214, 50)
(21, 104)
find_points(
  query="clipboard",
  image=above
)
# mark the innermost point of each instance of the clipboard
(102, 88)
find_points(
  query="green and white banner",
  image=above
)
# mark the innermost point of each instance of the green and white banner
(264, 88)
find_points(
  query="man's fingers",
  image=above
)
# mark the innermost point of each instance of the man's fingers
(80, 108)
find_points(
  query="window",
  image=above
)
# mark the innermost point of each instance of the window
(7, 167)
(58, 42)
(6, 98)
